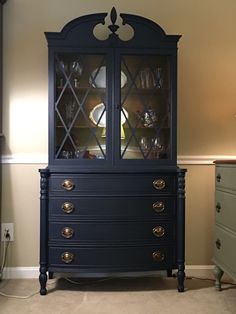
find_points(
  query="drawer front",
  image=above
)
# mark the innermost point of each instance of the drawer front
(226, 177)
(112, 184)
(112, 208)
(225, 253)
(119, 258)
(111, 232)
(226, 209)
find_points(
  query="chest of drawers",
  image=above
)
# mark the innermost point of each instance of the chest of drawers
(126, 223)
(225, 220)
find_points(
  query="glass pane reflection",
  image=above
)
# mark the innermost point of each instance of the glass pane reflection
(145, 132)
(80, 106)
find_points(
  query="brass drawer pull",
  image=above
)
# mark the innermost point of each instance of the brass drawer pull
(218, 177)
(68, 207)
(67, 232)
(158, 256)
(218, 244)
(67, 257)
(159, 184)
(218, 207)
(158, 207)
(158, 231)
(68, 184)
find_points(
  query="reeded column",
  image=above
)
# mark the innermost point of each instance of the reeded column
(181, 229)
(44, 174)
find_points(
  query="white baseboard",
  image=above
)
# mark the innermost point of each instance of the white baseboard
(20, 272)
(201, 271)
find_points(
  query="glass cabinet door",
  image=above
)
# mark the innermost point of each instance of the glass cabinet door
(145, 129)
(80, 106)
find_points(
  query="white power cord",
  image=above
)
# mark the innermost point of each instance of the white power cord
(4, 257)
(18, 296)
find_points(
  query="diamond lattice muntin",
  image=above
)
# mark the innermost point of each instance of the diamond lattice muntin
(145, 107)
(80, 106)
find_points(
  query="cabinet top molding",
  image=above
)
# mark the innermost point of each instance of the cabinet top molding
(145, 32)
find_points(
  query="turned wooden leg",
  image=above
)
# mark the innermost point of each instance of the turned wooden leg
(218, 272)
(180, 278)
(43, 280)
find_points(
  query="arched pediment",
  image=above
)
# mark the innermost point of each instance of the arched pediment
(80, 32)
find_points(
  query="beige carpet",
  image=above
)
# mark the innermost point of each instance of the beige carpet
(118, 296)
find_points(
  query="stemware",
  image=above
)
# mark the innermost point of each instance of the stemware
(61, 69)
(157, 78)
(76, 70)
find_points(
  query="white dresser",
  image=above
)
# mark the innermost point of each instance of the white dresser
(225, 220)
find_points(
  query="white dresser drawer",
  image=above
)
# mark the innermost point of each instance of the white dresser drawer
(226, 177)
(225, 253)
(225, 209)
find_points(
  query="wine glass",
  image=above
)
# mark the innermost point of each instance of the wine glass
(158, 79)
(157, 146)
(61, 69)
(76, 70)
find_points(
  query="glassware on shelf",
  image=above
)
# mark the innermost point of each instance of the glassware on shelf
(157, 77)
(70, 112)
(146, 78)
(66, 154)
(61, 68)
(148, 118)
(144, 144)
(157, 147)
(76, 70)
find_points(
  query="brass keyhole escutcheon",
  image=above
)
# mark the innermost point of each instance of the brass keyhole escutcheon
(67, 232)
(68, 207)
(158, 231)
(67, 257)
(158, 207)
(159, 184)
(68, 184)
(158, 256)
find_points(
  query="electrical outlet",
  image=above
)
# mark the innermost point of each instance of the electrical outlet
(7, 229)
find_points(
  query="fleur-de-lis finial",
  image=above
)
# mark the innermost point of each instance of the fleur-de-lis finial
(113, 28)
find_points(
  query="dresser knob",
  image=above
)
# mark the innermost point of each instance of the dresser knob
(158, 256)
(68, 207)
(68, 184)
(158, 207)
(159, 184)
(158, 231)
(218, 244)
(67, 232)
(218, 207)
(218, 177)
(67, 257)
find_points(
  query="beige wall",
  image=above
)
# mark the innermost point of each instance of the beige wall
(206, 104)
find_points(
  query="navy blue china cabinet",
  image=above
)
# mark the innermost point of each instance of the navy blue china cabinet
(112, 196)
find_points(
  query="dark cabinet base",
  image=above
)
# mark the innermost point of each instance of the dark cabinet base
(43, 277)
(114, 230)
